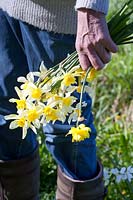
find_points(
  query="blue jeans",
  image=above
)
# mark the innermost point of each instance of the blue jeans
(22, 48)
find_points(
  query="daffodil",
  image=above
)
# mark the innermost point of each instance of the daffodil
(92, 75)
(79, 133)
(42, 71)
(21, 102)
(68, 79)
(50, 114)
(36, 93)
(26, 82)
(29, 118)
(34, 113)
(66, 104)
(19, 121)
(80, 73)
(53, 100)
(67, 101)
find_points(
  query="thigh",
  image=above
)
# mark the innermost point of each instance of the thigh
(13, 63)
(41, 45)
(22, 48)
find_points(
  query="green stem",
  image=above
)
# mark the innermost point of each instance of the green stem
(82, 91)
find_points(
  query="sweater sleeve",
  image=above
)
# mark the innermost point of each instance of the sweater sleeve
(97, 5)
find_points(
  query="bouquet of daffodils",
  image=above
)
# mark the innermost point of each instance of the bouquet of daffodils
(48, 95)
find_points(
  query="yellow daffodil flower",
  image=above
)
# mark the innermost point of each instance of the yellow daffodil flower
(79, 133)
(67, 101)
(26, 82)
(21, 103)
(68, 79)
(92, 75)
(32, 115)
(80, 72)
(50, 114)
(19, 121)
(36, 93)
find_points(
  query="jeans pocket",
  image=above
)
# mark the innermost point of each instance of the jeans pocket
(84, 159)
(77, 160)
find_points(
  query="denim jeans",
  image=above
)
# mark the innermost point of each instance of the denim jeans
(22, 48)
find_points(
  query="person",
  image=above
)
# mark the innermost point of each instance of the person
(36, 30)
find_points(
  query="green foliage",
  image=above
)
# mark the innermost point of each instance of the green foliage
(48, 172)
(113, 111)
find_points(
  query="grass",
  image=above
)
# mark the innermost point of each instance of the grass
(113, 111)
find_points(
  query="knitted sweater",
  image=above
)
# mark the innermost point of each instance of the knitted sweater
(52, 15)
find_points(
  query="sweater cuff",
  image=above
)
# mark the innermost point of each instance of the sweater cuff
(97, 5)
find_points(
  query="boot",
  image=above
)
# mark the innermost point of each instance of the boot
(20, 179)
(1, 192)
(69, 189)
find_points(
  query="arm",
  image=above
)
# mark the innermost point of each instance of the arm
(93, 42)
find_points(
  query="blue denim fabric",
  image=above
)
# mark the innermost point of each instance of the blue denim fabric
(22, 48)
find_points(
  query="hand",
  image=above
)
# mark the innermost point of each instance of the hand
(93, 42)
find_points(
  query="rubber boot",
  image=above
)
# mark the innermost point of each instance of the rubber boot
(20, 179)
(69, 189)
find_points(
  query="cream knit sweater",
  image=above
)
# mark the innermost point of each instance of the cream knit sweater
(52, 15)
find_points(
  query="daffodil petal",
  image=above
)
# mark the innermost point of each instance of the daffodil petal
(21, 79)
(11, 116)
(37, 123)
(12, 100)
(33, 129)
(13, 124)
(30, 77)
(18, 91)
(42, 67)
(24, 132)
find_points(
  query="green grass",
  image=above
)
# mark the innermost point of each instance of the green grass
(113, 111)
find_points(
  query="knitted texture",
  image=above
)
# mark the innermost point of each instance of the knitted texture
(53, 15)
(97, 5)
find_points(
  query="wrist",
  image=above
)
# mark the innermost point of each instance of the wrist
(87, 16)
(90, 12)
(88, 20)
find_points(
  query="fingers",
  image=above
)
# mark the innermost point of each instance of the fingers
(94, 58)
(110, 45)
(84, 61)
(95, 55)
(104, 55)
(89, 57)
